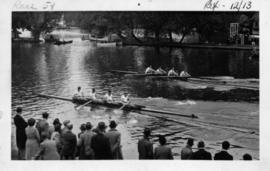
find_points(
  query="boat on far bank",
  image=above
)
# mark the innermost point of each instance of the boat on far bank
(63, 42)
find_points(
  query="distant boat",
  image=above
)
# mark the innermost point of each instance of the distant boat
(62, 42)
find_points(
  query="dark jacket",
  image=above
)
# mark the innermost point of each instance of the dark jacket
(145, 149)
(101, 146)
(201, 154)
(223, 155)
(20, 131)
(69, 143)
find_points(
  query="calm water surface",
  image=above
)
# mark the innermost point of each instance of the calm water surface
(58, 70)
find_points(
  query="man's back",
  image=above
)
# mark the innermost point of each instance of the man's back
(101, 146)
(145, 149)
(69, 142)
(223, 155)
(186, 153)
(201, 154)
(86, 139)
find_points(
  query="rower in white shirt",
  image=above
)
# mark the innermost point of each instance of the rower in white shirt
(125, 99)
(172, 72)
(93, 94)
(108, 96)
(184, 74)
(160, 71)
(79, 92)
(149, 70)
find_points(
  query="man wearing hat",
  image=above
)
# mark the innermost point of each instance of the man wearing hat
(145, 147)
(101, 144)
(115, 140)
(201, 154)
(65, 123)
(69, 142)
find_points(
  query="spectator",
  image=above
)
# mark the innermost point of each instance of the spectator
(247, 157)
(145, 147)
(48, 149)
(201, 154)
(56, 135)
(101, 144)
(43, 125)
(223, 154)
(115, 140)
(80, 150)
(20, 133)
(69, 142)
(86, 151)
(65, 123)
(163, 152)
(187, 152)
(33, 139)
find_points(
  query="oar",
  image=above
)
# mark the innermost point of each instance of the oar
(79, 107)
(168, 113)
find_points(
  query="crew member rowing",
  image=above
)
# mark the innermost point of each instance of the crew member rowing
(93, 94)
(149, 70)
(184, 74)
(172, 73)
(160, 71)
(125, 99)
(79, 93)
(108, 97)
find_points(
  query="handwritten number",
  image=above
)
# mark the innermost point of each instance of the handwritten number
(249, 5)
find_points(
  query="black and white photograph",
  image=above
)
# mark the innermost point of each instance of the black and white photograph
(148, 85)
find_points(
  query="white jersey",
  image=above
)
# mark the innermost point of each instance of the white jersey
(93, 96)
(124, 99)
(108, 97)
(79, 93)
(172, 73)
(184, 74)
(149, 70)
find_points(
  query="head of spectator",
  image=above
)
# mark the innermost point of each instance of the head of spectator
(225, 145)
(113, 124)
(162, 140)
(69, 126)
(88, 126)
(79, 88)
(201, 145)
(56, 122)
(31, 122)
(66, 122)
(19, 110)
(101, 127)
(190, 142)
(247, 157)
(83, 127)
(146, 132)
(45, 115)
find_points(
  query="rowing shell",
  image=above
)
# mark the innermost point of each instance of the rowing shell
(116, 105)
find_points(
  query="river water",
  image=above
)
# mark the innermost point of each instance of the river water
(58, 70)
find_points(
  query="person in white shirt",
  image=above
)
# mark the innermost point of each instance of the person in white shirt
(160, 71)
(79, 92)
(125, 98)
(149, 70)
(108, 96)
(172, 73)
(184, 74)
(93, 94)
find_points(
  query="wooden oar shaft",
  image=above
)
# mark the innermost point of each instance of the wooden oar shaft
(124, 72)
(55, 97)
(168, 113)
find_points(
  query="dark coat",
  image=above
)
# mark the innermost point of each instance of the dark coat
(201, 154)
(101, 146)
(20, 131)
(145, 149)
(69, 143)
(223, 155)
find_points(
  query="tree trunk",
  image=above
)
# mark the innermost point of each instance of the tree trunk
(170, 36)
(157, 36)
(36, 34)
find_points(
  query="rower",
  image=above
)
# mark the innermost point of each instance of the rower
(160, 71)
(149, 70)
(108, 96)
(93, 94)
(184, 74)
(125, 99)
(172, 72)
(79, 92)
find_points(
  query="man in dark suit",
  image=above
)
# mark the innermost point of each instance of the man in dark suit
(223, 154)
(20, 133)
(69, 142)
(201, 154)
(145, 147)
(101, 144)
